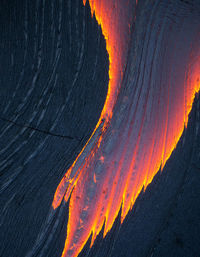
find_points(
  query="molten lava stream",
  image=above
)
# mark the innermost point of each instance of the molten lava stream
(137, 130)
(107, 14)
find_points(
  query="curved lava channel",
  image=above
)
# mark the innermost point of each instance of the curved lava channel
(144, 115)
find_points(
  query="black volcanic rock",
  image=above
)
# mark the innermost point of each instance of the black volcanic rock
(53, 84)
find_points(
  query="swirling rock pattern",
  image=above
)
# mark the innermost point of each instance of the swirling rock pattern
(61, 62)
(54, 77)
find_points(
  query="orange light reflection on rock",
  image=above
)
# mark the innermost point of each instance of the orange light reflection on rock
(111, 27)
(140, 168)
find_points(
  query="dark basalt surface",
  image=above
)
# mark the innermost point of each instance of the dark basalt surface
(53, 84)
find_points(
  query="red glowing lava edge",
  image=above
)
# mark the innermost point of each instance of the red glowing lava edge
(104, 178)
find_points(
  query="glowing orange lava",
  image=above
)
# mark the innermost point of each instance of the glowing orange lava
(126, 170)
(103, 12)
(111, 27)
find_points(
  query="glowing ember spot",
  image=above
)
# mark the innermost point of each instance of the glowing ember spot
(120, 159)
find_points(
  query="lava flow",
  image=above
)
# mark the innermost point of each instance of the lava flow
(142, 120)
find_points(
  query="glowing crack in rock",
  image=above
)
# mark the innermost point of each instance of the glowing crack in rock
(136, 133)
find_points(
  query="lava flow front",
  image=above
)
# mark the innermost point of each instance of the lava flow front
(146, 109)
